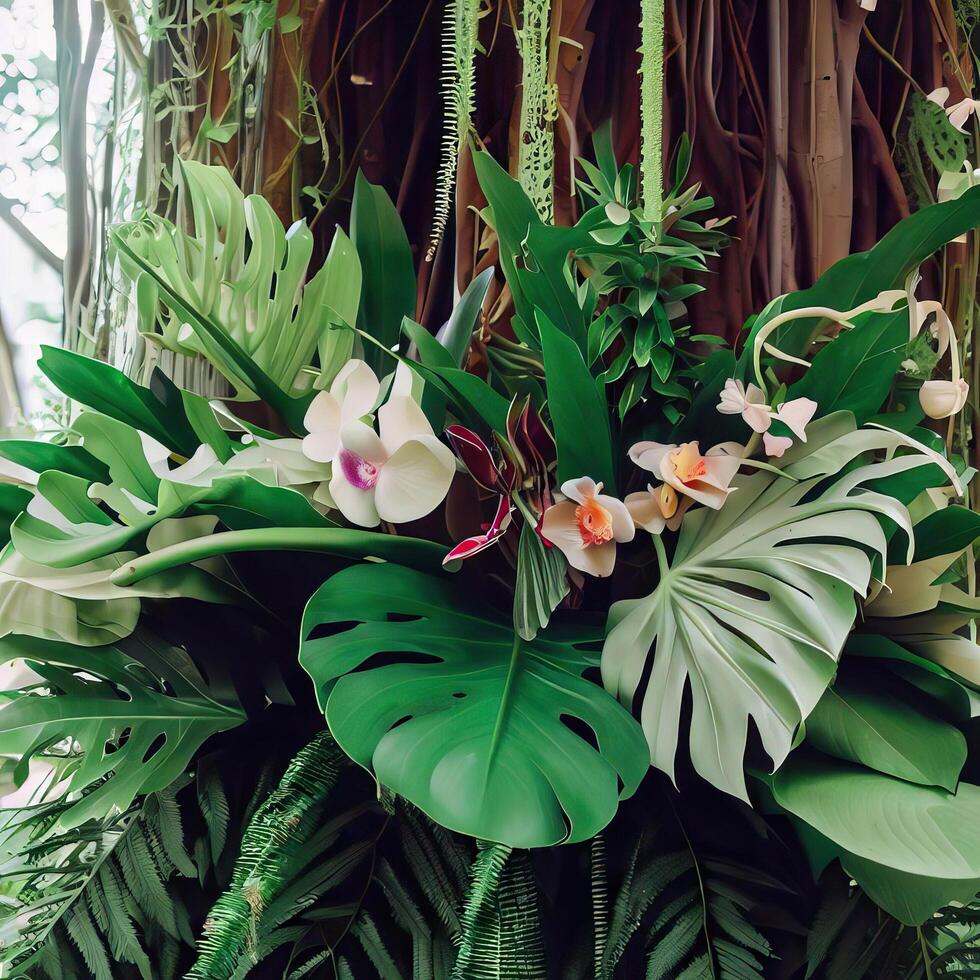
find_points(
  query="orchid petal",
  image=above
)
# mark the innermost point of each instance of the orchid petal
(401, 419)
(623, 527)
(356, 388)
(959, 113)
(356, 505)
(415, 480)
(796, 415)
(644, 508)
(475, 454)
(579, 490)
(939, 95)
(776, 445)
(363, 441)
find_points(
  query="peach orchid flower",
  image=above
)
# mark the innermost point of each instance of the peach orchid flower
(657, 508)
(705, 479)
(587, 526)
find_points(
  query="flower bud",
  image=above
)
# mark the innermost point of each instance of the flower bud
(941, 399)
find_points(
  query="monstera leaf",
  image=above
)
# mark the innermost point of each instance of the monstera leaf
(429, 687)
(137, 710)
(754, 611)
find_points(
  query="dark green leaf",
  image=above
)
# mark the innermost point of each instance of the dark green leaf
(945, 532)
(855, 371)
(99, 386)
(578, 410)
(463, 718)
(388, 283)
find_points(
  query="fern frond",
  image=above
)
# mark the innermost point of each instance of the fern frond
(101, 890)
(501, 927)
(276, 846)
(651, 107)
(600, 900)
(460, 42)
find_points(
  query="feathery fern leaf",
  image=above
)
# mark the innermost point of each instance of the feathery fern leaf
(277, 869)
(501, 927)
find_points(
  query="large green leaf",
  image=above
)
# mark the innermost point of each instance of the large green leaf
(855, 371)
(864, 718)
(943, 533)
(388, 284)
(534, 256)
(99, 386)
(38, 456)
(429, 687)
(138, 710)
(238, 288)
(756, 607)
(881, 824)
(862, 276)
(578, 410)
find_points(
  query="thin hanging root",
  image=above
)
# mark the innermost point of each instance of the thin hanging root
(460, 42)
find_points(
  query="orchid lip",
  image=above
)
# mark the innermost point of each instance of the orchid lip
(358, 471)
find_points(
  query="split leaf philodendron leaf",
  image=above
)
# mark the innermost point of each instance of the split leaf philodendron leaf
(757, 604)
(138, 710)
(431, 689)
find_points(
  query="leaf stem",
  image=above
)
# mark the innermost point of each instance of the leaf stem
(661, 555)
(344, 542)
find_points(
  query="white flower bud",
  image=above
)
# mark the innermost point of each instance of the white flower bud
(941, 399)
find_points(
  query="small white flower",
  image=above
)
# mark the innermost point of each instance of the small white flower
(957, 114)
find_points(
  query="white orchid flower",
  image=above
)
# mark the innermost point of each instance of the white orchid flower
(587, 526)
(352, 395)
(398, 474)
(750, 403)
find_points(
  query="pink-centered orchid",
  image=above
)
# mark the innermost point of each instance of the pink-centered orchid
(587, 526)
(398, 474)
(352, 395)
(703, 478)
